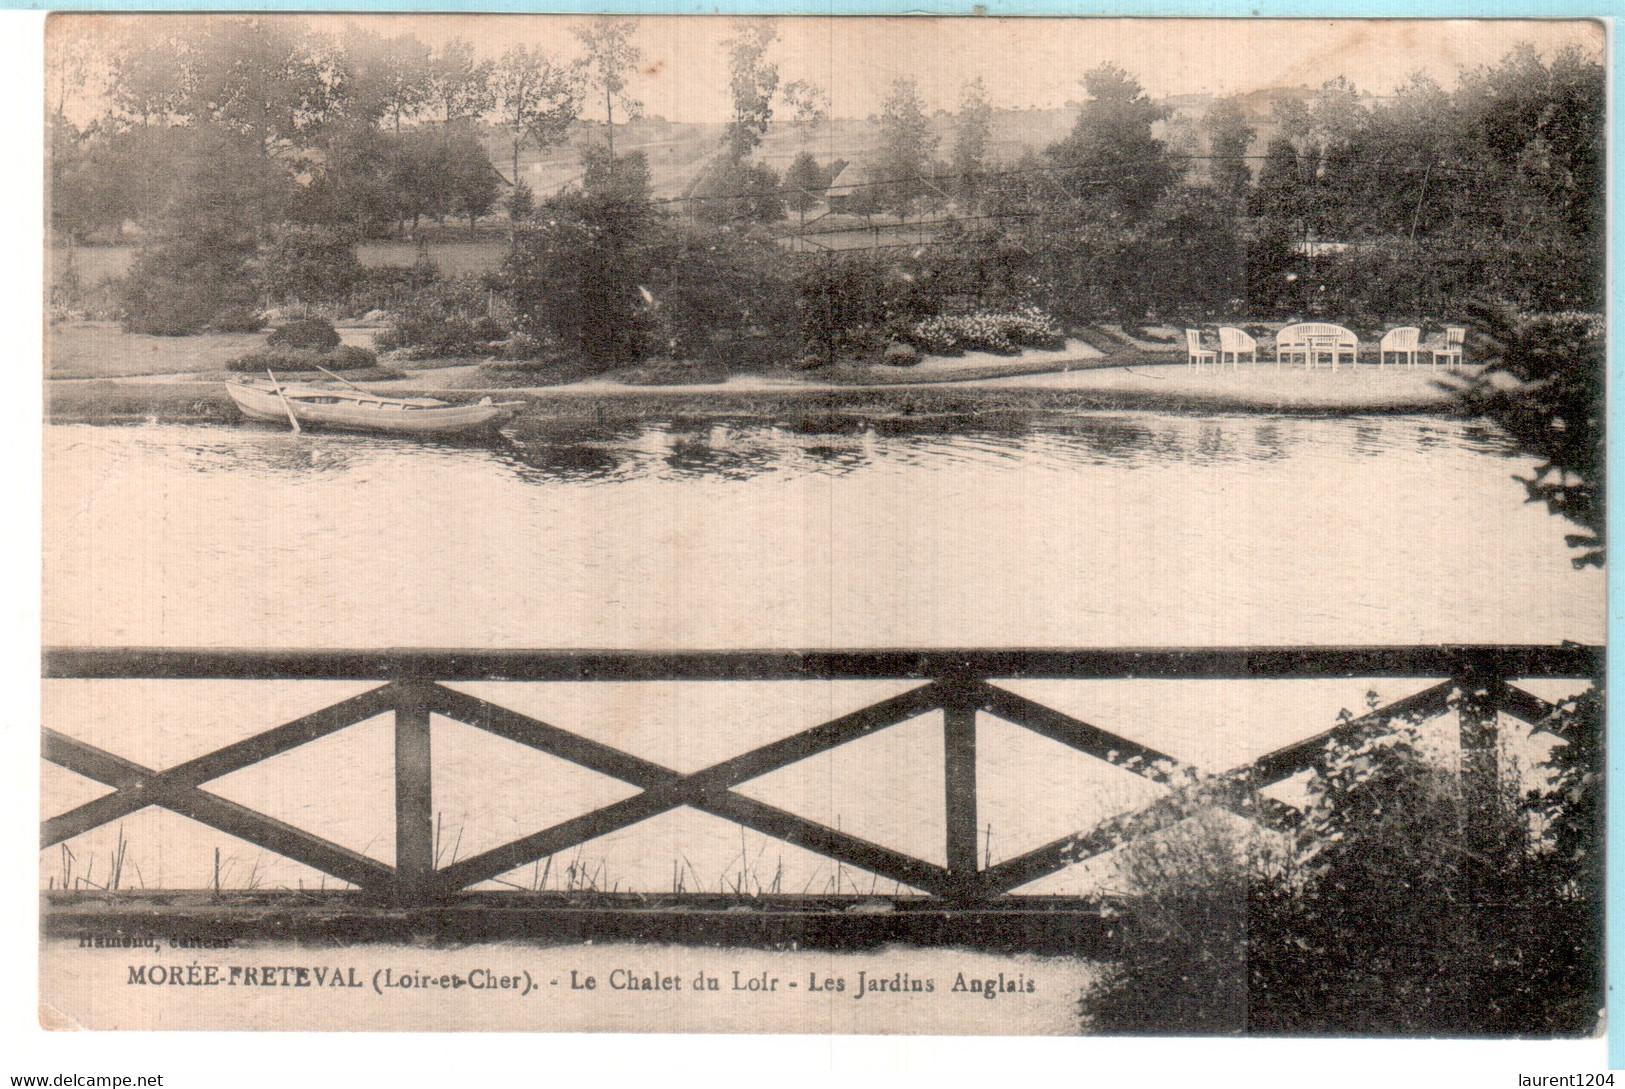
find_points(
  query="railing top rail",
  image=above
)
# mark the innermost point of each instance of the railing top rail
(1170, 663)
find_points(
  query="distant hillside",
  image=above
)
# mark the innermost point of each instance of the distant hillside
(678, 152)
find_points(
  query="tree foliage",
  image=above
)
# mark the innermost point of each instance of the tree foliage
(459, 87)
(804, 184)
(752, 82)
(537, 98)
(907, 146)
(1110, 156)
(199, 260)
(1229, 138)
(1544, 385)
(973, 128)
(1376, 916)
(262, 77)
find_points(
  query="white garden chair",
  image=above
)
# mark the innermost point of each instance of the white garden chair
(1235, 343)
(1195, 354)
(1451, 352)
(1403, 341)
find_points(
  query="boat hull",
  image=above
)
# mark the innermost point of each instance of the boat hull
(384, 415)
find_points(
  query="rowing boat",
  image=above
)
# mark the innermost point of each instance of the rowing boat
(358, 410)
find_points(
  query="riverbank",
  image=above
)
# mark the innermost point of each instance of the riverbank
(1266, 389)
(98, 374)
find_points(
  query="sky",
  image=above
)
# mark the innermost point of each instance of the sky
(1024, 62)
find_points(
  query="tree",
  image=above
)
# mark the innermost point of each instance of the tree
(1543, 124)
(198, 259)
(384, 79)
(611, 58)
(537, 99)
(626, 179)
(907, 145)
(809, 106)
(1110, 156)
(459, 87)
(359, 182)
(1229, 137)
(444, 170)
(521, 203)
(262, 77)
(471, 178)
(804, 183)
(575, 276)
(737, 190)
(1279, 196)
(972, 130)
(752, 82)
(151, 80)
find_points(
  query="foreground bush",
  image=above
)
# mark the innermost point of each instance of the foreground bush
(1544, 384)
(1393, 910)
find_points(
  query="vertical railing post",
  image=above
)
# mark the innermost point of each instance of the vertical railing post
(414, 796)
(1480, 735)
(959, 776)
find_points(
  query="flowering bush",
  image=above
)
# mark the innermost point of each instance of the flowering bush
(1005, 332)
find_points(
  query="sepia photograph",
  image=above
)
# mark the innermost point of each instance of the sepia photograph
(850, 526)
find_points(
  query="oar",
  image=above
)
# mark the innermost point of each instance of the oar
(346, 381)
(285, 405)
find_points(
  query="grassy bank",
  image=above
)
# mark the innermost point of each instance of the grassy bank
(912, 408)
(106, 375)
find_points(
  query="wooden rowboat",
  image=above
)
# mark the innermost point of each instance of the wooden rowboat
(357, 410)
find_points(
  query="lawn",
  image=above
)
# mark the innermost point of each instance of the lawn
(102, 349)
(96, 264)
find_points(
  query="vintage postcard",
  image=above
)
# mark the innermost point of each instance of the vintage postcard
(945, 526)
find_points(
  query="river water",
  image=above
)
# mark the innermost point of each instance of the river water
(1098, 530)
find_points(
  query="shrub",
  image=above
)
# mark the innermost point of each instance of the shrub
(1183, 904)
(160, 297)
(719, 295)
(314, 333)
(198, 257)
(346, 357)
(521, 347)
(575, 277)
(1392, 909)
(388, 287)
(309, 264)
(236, 319)
(901, 355)
(445, 319)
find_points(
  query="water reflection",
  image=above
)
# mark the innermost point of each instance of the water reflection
(541, 452)
(1112, 529)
